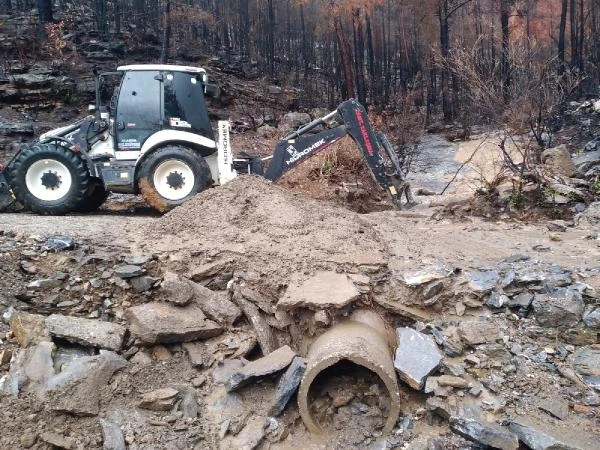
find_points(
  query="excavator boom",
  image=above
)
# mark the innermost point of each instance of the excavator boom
(297, 147)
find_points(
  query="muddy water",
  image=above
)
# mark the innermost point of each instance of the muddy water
(435, 164)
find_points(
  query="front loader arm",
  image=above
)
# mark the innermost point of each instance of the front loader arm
(295, 148)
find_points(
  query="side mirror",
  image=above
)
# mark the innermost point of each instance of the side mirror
(212, 90)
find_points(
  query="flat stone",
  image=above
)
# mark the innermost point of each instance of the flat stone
(208, 270)
(324, 290)
(58, 440)
(28, 439)
(44, 284)
(264, 334)
(189, 403)
(441, 407)
(87, 332)
(138, 260)
(250, 436)
(482, 280)
(580, 336)
(179, 290)
(59, 243)
(432, 289)
(538, 436)
(591, 318)
(586, 361)
(5, 356)
(142, 284)
(427, 275)
(216, 305)
(416, 357)
(29, 329)
(159, 399)
(477, 332)
(31, 369)
(288, 384)
(155, 323)
(197, 353)
(77, 388)
(129, 271)
(267, 365)
(561, 307)
(223, 372)
(487, 434)
(452, 381)
(497, 300)
(112, 435)
(556, 407)
(521, 300)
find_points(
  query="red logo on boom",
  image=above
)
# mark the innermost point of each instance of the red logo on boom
(363, 131)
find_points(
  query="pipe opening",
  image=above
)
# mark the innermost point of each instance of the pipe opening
(347, 396)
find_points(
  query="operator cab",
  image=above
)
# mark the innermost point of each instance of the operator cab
(152, 98)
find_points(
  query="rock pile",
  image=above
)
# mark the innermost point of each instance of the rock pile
(149, 350)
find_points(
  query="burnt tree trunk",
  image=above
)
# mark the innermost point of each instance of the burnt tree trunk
(505, 62)
(443, 15)
(573, 29)
(166, 42)
(561, 35)
(344, 49)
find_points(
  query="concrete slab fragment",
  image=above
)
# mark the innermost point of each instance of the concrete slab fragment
(86, 332)
(324, 290)
(162, 323)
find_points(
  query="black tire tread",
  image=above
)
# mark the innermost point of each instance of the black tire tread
(146, 186)
(73, 199)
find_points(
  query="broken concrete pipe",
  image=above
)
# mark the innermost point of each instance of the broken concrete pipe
(362, 340)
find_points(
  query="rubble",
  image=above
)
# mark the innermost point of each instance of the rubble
(216, 305)
(560, 307)
(478, 332)
(416, 357)
(87, 332)
(77, 388)
(269, 364)
(112, 435)
(162, 323)
(159, 400)
(29, 329)
(486, 434)
(537, 436)
(288, 385)
(264, 334)
(58, 441)
(129, 271)
(323, 290)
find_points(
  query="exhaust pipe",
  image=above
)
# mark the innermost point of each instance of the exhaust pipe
(362, 340)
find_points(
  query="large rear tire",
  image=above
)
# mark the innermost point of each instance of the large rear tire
(49, 179)
(171, 175)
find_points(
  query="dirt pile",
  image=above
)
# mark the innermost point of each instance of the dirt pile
(252, 220)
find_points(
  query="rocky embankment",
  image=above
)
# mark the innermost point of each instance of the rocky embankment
(217, 341)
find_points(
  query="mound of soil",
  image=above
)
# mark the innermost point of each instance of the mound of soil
(253, 220)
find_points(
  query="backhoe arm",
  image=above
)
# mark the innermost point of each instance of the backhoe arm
(295, 148)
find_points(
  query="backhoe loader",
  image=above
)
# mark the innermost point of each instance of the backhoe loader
(154, 137)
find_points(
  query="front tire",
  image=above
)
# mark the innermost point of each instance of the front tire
(171, 175)
(49, 179)
(95, 197)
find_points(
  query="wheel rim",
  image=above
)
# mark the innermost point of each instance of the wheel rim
(48, 180)
(174, 179)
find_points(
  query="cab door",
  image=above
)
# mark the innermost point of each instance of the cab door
(139, 111)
